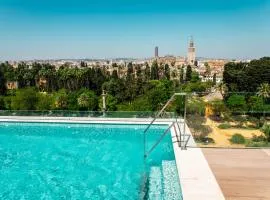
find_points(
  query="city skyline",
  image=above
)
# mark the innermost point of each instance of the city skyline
(87, 29)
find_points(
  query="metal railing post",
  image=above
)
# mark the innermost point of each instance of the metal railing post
(185, 113)
(144, 144)
(158, 114)
(158, 141)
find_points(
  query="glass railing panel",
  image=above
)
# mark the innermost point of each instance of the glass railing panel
(89, 114)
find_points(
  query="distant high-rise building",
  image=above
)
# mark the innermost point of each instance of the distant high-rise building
(156, 52)
(191, 52)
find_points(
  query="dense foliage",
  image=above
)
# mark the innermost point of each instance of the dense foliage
(247, 77)
(140, 87)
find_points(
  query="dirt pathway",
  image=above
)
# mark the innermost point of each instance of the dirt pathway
(222, 136)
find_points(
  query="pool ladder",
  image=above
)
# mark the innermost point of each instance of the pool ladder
(181, 138)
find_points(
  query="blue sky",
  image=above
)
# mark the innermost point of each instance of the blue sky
(132, 28)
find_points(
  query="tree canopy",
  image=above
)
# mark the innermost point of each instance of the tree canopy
(246, 77)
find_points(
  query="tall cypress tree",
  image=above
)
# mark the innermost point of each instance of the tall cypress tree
(188, 73)
(139, 81)
(129, 72)
(167, 71)
(130, 83)
(182, 75)
(114, 74)
(2, 81)
(147, 72)
(154, 71)
(215, 79)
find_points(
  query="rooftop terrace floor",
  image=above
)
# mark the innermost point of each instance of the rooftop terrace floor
(241, 173)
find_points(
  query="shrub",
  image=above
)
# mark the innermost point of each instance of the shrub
(240, 120)
(139, 104)
(251, 126)
(217, 106)
(195, 106)
(25, 99)
(60, 100)
(224, 126)
(258, 122)
(266, 130)
(208, 140)
(197, 127)
(237, 103)
(259, 138)
(258, 144)
(196, 87)
(227, 115)
(238, 139)
(45, 101)
(7, 102)
(179, 105)
(255, 103)
(2, 103)
(261, 121)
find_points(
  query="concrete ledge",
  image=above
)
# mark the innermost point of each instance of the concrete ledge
(196, 178)
(83, 120)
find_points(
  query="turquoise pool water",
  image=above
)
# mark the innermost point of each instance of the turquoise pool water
(80, 161)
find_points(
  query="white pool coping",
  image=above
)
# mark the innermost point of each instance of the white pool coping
(196, 178)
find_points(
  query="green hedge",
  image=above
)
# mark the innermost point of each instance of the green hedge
(237, 139)
(266, 130)
(224, 126)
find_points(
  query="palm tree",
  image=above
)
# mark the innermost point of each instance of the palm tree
(264, 90)
(84, 100)
(87, 100)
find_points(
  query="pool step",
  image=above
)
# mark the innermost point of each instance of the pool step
(155, 184)
(164, 182)
(171, 184)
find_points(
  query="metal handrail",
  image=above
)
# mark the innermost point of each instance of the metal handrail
(183, 146)
(186, 142)
(154, 119)
(163, 108)
(180, 132)
(159, 140)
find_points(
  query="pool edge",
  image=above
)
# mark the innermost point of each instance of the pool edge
(195, 175)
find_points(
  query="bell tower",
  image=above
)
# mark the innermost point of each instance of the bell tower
(191, 52)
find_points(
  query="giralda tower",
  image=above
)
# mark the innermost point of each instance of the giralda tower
(191, 52)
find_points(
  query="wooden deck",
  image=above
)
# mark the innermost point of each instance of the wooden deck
(243, 174)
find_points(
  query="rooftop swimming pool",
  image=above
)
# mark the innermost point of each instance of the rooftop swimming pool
(85, 161)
